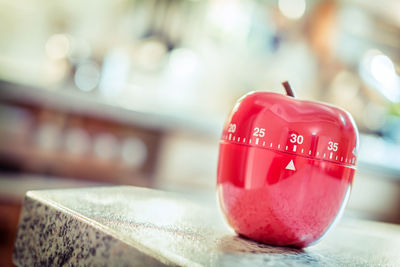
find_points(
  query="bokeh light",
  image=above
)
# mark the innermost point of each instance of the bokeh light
(58, 46)
(87, 76)
(292, 9)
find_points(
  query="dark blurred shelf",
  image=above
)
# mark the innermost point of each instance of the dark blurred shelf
(72, 101)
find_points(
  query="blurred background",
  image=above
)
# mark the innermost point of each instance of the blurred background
(136, 92)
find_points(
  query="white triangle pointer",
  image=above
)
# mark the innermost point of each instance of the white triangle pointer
(290, 166)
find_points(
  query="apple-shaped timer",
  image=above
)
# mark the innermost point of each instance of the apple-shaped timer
(285, 167)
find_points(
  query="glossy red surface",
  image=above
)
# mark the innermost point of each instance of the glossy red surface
(285, 168)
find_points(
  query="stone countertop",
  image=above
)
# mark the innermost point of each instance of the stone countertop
(131, 226)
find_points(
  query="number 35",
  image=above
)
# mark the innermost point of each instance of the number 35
(332, 146)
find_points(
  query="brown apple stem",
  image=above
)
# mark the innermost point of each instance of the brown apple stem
(288, 89)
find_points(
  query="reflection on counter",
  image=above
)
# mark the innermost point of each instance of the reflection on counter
(136, 92)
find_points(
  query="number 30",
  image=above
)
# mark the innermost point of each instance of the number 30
(294, 138)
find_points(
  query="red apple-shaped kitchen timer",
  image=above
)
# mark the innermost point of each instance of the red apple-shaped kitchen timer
(285, 167)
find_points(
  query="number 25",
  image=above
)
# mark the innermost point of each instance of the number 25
(260, 132)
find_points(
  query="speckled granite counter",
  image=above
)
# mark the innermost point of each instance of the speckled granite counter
(130, 226)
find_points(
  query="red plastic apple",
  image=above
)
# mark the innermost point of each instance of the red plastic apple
(285, 167)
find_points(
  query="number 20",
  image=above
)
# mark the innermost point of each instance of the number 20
(232, 128)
